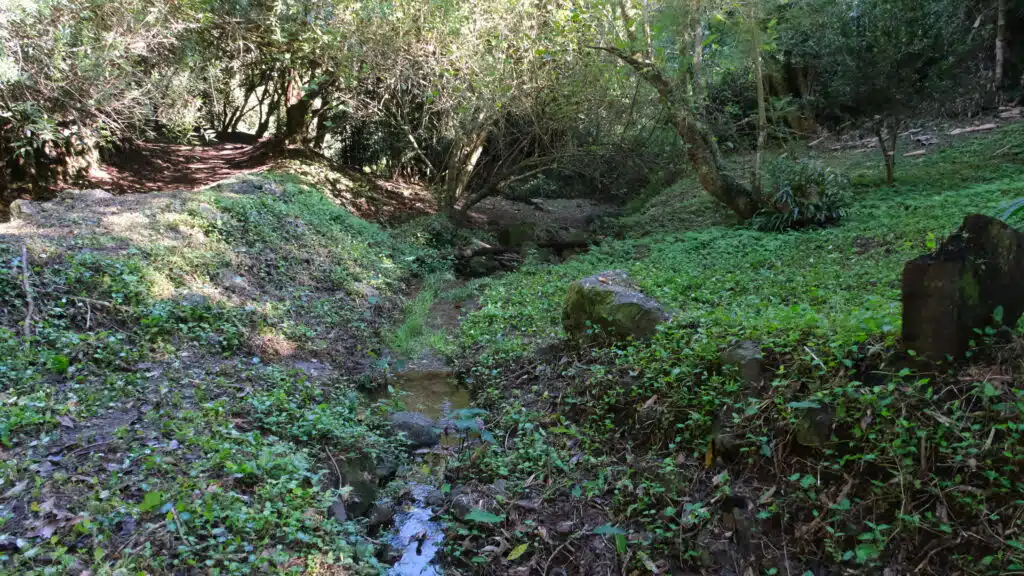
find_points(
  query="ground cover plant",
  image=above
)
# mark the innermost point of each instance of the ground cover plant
(844, 456)
(165, 406)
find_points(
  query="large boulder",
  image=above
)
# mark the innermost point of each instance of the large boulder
(610, 301)
(951, 293)
(419, 429)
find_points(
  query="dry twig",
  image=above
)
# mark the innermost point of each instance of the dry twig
(31, 304)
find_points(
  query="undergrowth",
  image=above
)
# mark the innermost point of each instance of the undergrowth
(159, 417)
(843, 458)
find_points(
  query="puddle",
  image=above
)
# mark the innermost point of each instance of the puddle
(432, 392)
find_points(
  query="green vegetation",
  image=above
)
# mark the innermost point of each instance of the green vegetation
(193, 381)
(158, 411)
(413, 335)
(841, 442)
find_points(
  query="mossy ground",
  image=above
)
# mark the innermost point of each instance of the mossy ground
(699, 471)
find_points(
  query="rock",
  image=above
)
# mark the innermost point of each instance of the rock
(25, 210)
(611, 302)
(195, 299)
(815, 427)
(462, 505)
(386, 468)
(480, 266)
(517, 234)
(232, 281)
(360, 499)
(254, 186)
(337, 511)
(85, 195)
(368, 292)
(209, 212)
(433, 498)
(538, 203)
(951, 293)
(419, 429)
(382, 514)
(746, 357)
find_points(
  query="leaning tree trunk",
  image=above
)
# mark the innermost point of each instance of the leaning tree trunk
(264, 125)
(462, 161)
(296, 120)
(701, 148)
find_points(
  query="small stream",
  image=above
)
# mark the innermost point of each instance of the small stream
(417, 533)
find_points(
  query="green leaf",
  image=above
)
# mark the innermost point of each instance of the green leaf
(59, 364)
(518, 551)
(151, 501)
(620, 544)
(608, 529)
(483, 516)
(806, 404)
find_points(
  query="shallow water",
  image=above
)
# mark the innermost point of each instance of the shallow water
(416, 533)
(432, 392)
(418, 536)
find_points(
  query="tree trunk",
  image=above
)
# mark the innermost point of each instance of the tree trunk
(762, 120)
(700, 142)
(997, 81)
(888, 146)
(698, 61)
(706, 160)
(296, 121)
(320, 136)
(264, 125)
(461, 163)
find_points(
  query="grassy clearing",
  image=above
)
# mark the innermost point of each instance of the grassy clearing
(842, 460)
(162, 417)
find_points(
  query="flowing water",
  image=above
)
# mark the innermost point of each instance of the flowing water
(417, 533)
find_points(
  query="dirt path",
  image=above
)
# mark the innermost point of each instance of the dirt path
(168, 167)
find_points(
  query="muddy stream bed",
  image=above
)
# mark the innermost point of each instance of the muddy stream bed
(418, 534)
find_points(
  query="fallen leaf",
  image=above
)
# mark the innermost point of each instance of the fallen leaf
(66, 421)
(653, 400)
(46, 530)
(518, 551)
(17, 489)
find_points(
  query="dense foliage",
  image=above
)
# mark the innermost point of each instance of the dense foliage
(478, 98)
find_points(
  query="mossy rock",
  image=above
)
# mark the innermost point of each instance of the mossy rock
(610, 305)
(951, 294)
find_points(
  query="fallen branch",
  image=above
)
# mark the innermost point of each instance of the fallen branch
(27, 328)
(813, 527)
(557, 245)
(915, 153)
(982, 128)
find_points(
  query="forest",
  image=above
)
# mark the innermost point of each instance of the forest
(555, 287)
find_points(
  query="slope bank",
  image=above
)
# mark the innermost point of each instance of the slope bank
(178, 378)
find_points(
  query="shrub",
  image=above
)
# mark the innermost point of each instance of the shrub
(801, 193)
